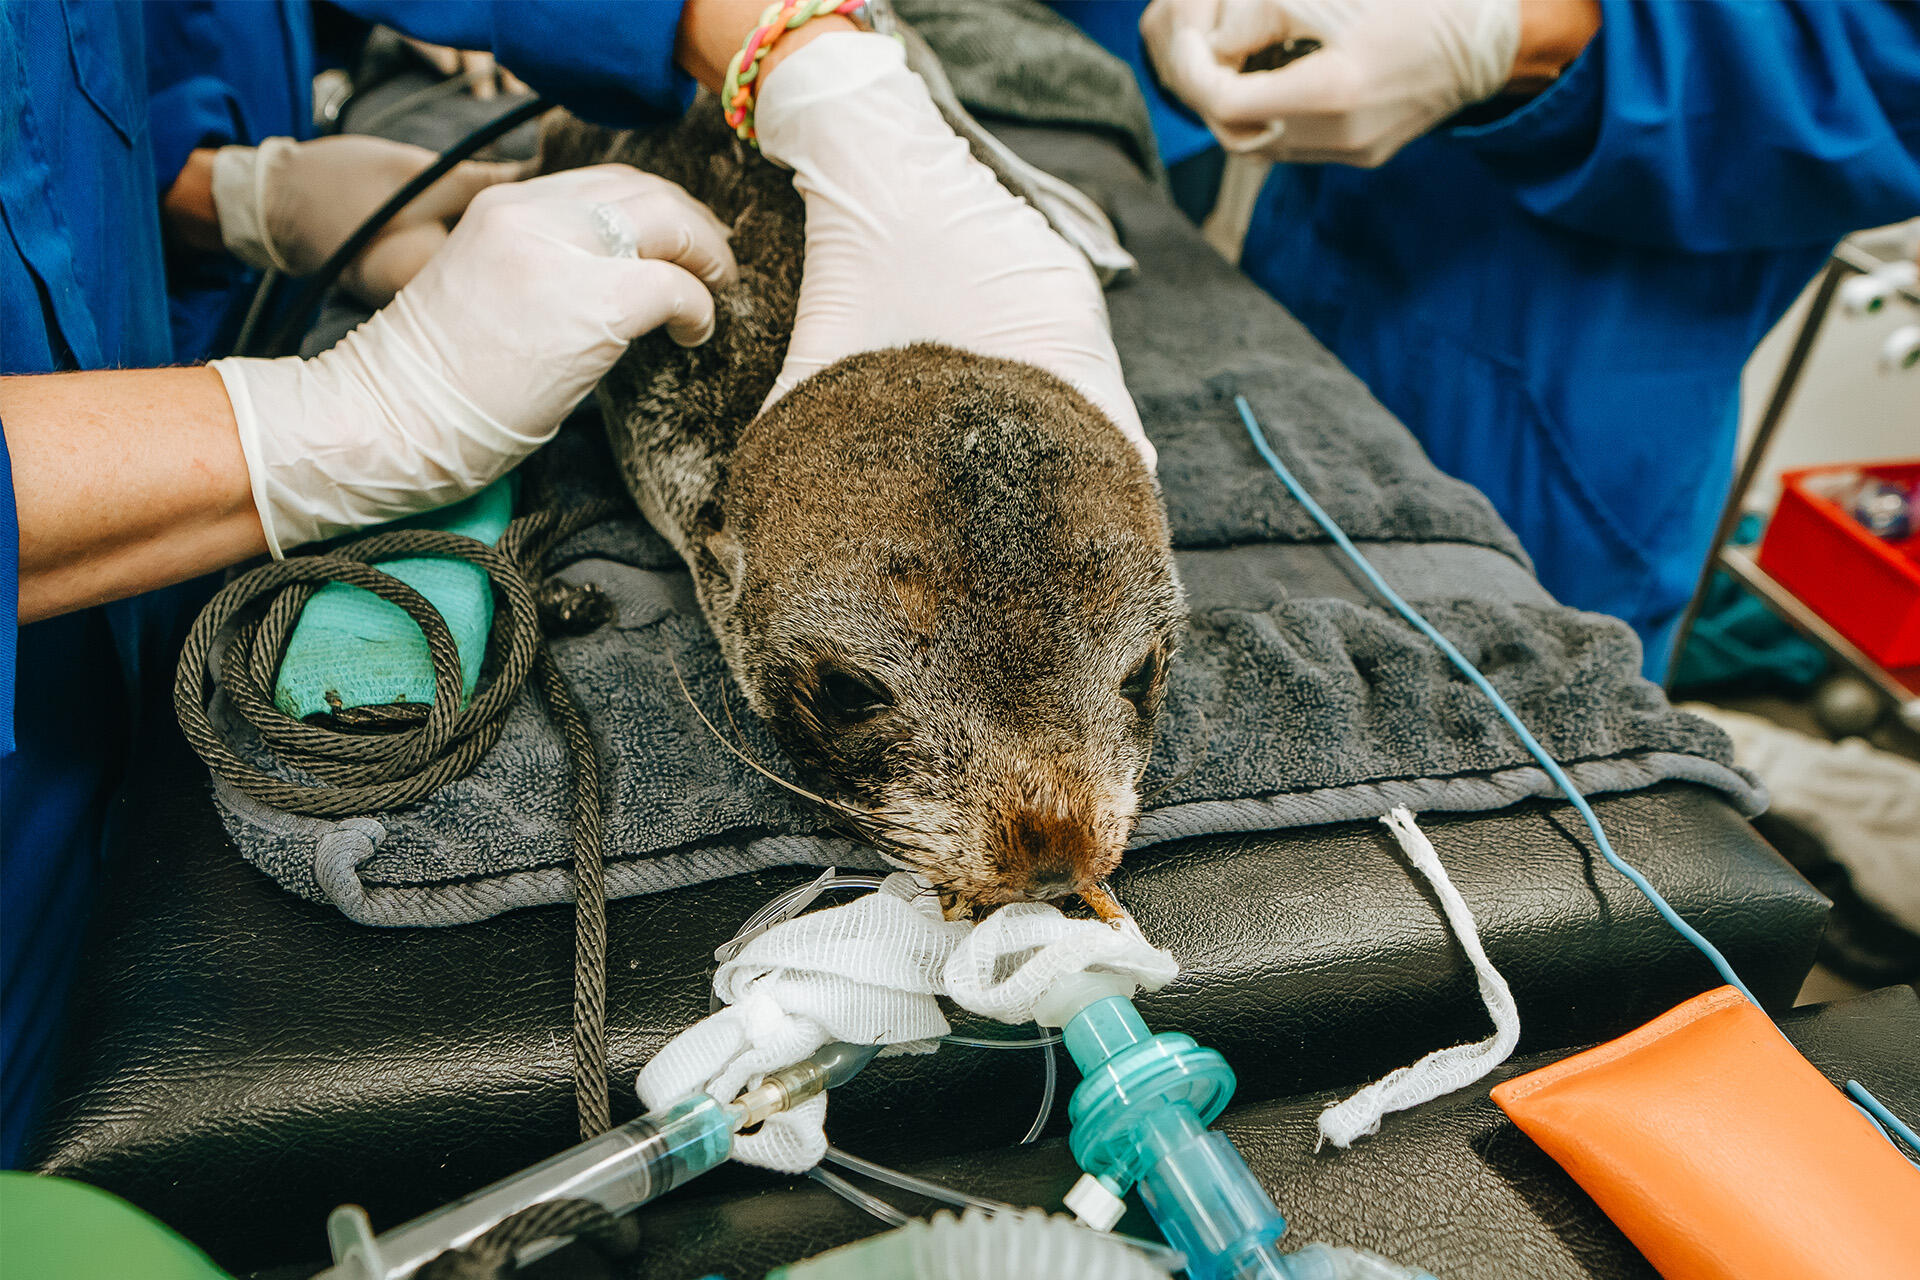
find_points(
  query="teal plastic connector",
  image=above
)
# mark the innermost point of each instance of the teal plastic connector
(1140, 1119)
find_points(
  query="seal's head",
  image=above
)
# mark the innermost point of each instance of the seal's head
(944, 581)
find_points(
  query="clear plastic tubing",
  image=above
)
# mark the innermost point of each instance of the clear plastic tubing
(917, 1186)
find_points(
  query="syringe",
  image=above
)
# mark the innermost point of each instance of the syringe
(619, 1171)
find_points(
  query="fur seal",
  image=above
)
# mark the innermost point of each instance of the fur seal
(942, 580)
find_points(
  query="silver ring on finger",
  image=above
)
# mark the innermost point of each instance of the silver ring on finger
(616, 230)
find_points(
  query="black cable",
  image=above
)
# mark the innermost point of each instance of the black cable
(293, 325)
(362, 772)
(257, 308)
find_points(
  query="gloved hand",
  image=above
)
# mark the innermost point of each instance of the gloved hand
(473, 365)
(1386, 72)
(910, 239)
(290, 204)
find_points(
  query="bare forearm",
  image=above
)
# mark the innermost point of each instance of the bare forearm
(1552, 34)
(712, 31)
(187, 210)
(124, 480)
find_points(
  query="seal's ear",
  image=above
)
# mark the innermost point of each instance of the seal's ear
(719, 551)
(729, 561)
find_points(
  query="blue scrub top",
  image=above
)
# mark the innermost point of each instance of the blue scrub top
(81, 287)
(99, 105)
(221, 73)
(1115, 24)
(1559, 303)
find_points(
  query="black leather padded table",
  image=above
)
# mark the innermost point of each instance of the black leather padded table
(1450, 1186)
(242, 1060)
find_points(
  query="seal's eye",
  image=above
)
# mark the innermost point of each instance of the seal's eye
(847, 696)
(1137, 688)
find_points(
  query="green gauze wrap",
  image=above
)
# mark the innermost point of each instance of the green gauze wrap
(353, 649)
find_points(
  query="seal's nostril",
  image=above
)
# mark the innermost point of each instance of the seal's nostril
(1053, 887)
(1051, 876)
(1045, 853)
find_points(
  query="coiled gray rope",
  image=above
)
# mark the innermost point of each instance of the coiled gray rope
(361, 772)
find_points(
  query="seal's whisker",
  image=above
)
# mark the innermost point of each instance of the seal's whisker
(726, 705)
(748, 760)
(862, 821)
(1170, 783)
(878, 838)
(868, 824)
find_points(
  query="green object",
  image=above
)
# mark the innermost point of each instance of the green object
(353, 649)
(1737, 639)
(58, 1229)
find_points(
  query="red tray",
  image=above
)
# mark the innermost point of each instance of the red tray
(1869, 590)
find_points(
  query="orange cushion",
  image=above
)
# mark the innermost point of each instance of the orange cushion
(1723, 1153)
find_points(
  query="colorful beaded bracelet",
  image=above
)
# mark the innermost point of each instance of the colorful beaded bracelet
(743, 73)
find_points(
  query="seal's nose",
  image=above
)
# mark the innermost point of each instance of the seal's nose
(1045, 889)
(1046, 853)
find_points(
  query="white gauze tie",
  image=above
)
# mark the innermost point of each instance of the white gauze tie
(863, 973)
(868, 973)
(1443, 1070)
(1010, 960)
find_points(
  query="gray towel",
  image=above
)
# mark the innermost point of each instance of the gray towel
(1019, 60)
(1297, 700)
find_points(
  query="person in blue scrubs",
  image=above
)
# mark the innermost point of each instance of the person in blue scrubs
(119, 476)
(1548, 233)
(81, 287)
(220, 73)
(98, 113)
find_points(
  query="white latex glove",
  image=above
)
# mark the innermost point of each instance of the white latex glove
(1386, 72)
(539, 290)
(290, 204)
(910, 239)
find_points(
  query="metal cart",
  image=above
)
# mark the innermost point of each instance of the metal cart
(1901, 687)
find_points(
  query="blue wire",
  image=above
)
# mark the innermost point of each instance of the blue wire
(1472, 673)
(1866, 1102)
(1884, 1119)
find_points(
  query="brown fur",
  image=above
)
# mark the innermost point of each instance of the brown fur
(932, 573)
